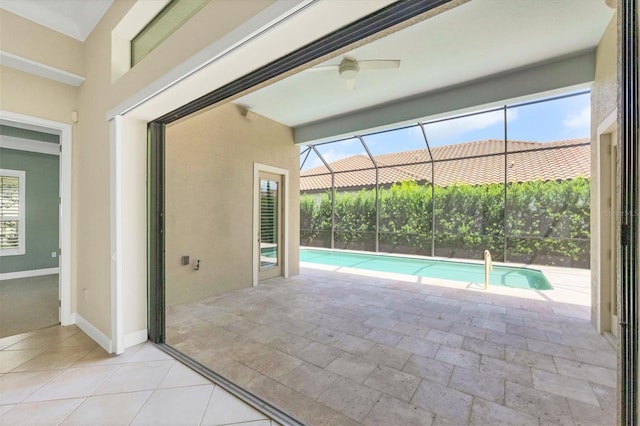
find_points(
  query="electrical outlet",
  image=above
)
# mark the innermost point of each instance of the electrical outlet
(54, 254)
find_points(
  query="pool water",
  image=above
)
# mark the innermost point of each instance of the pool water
(505, 276)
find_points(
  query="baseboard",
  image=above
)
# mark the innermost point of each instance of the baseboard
(91, 331)
(135, 338)
(29, 274)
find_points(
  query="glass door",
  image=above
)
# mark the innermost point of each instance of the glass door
(270, 232)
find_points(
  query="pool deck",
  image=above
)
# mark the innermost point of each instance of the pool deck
(570, 285)
(353, 347)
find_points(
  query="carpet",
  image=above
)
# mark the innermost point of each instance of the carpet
(28, 304)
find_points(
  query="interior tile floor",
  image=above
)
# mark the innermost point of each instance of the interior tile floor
(344, 349)
(58, 375)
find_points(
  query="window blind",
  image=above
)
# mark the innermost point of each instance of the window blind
(11, 210)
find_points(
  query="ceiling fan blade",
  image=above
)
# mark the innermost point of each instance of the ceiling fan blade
(379, 64)
(351, 84)
(322, 68)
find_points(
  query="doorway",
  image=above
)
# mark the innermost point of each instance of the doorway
(270, 222)
(64, 132)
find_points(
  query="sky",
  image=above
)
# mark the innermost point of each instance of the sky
(558, 119)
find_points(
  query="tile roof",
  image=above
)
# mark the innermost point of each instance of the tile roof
(472, 162)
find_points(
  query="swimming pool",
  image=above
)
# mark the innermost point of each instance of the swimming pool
(506, 276)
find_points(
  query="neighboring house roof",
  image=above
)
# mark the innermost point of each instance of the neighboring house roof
(474, 163)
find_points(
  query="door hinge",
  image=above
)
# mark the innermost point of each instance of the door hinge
(60, 148)
(59, 303)
(59, 252)
(59, 200)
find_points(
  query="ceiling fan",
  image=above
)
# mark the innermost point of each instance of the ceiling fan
(349, 68)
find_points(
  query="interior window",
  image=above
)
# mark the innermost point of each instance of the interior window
(12, 209)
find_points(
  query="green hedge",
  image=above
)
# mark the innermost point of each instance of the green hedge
(546, 222)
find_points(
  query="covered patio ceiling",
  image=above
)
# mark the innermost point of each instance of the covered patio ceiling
(480, 53)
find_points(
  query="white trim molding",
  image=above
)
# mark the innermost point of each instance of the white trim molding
(20, 144)
(29, 274)
(93, 332)
(135, 338)
(41, 70)
(257, 168)
(117, 236)
(64, 131)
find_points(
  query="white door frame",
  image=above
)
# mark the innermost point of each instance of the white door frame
(64, 131)
(257, 168)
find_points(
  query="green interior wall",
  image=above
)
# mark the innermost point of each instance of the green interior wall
(41, 200)
(28, 134)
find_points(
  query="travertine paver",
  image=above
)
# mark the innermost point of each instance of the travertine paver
(579, 390)
(392, 411)
(428, 368)
(341, 348)
(352, 367)
(489, 413)
(393, 382)
(309, 379)
(478, 384)
(445, 401)
(538, 403)
(389, 356)
(482, 347)
(350, 398)
(530, 359)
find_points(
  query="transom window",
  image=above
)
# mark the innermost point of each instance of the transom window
(12, 212)
(174, 14)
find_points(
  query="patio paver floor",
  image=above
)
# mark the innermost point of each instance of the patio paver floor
(340, 349)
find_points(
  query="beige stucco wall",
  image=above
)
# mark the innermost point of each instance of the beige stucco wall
(603, 103)
(92, 261)
(36, 96)
(209, 199)
(29, 40)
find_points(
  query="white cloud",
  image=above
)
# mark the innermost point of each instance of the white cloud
(581, 119)
(447, 129)
(329, 156)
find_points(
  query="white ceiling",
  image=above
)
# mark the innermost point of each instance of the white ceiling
(475, 40)
(74, 18)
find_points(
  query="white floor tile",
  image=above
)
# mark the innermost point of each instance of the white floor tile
(175, 406)
(180, 375)
(225, 408)
(40, 413)
(118, 409)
